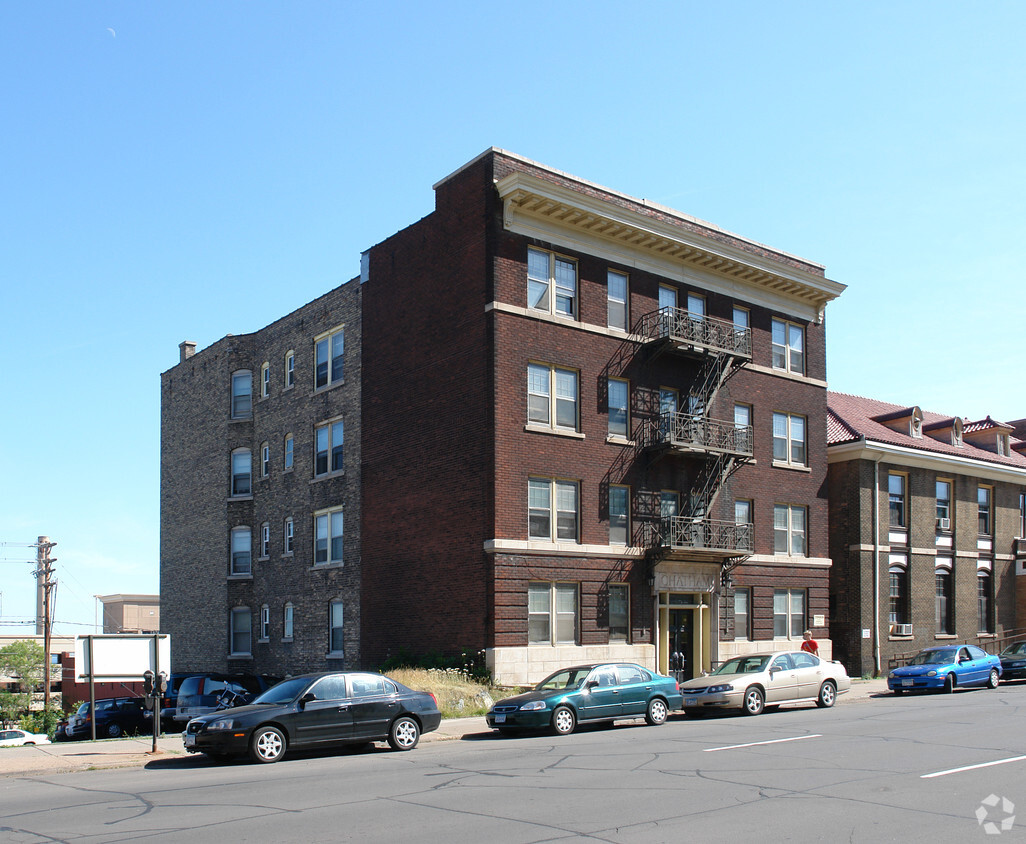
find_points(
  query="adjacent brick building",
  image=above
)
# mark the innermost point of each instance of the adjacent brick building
(587, 426)
(927, 519)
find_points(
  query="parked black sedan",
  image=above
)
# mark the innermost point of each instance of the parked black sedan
(314, 711)
(1013, 662)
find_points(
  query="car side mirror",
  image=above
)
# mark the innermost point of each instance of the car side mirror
(305, 699)
(591, 684)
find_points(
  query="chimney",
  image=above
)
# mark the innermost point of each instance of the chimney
(187, 349)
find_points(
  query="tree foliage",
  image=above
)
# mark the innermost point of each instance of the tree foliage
(23, 661)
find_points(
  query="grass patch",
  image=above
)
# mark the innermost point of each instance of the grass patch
(458, 694)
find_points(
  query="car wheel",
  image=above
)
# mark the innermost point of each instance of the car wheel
(992, 681)
(827, 695)
(114, 729)
(657, 712)
(564, 721)
(404, 735)
(754, 701)
(267, 745)
(949, 683)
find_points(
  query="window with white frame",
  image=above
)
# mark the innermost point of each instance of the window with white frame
(242, 394)
(696, 307)
(788, 613)
(789, 439)
(265, 540)
(743, 511)
(265, 380)
(329, 441)
(742, 318)
(240, 631)
(897, 501)
(328, 537)
(788, 341)
(265, 622)
(943, 494)
(619, 515)
(984, 497)
(290, 369)
(552, 610)
(288, 620)
(329, 357)
(552, 397)
(789, 530)
(553, 510)
(265, 460)
(619, 612)
(242, 472)
(619, 420)
(551, 283)
(241, 551)
(289, 535)
(742, 613)
(898, 593)
(289, 450)
(336, 638)
(616, 300)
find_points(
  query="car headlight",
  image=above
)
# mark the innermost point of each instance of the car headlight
(892, 676)
(931, 673)
(221, 724)
(723, 687)
(532, 706)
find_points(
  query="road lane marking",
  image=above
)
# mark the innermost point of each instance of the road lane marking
(972, 767)
(757, 743)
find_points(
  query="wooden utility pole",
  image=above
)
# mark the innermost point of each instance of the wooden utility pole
(47, 585)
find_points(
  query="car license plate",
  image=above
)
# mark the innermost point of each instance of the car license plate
(906, 682)
(500, 719)
(690, 701)
(190, 740)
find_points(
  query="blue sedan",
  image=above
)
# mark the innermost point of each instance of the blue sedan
(946, 667)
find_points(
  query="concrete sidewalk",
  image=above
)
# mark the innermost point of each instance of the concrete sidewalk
(68, 756)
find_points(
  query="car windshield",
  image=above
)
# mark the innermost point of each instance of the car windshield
(1018, 649)
(743, 665)
(937, 657)
(568, 678)
(285, 692)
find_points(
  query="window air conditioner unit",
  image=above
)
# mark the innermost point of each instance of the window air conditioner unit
(944, 524)
(901, 629)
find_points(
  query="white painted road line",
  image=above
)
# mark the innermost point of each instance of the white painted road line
(757, 743)
(972, 767)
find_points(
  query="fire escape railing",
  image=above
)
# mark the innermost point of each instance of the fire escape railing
(680, 326)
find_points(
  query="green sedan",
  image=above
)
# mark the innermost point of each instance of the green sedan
(606, 691)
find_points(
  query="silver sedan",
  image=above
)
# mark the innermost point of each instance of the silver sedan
(755, 682)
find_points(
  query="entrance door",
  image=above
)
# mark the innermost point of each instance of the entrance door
(682, 657)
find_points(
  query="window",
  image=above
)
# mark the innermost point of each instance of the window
(242, 395)
(944, 504)
(1022, 514)
(742, 512)
(742, 613)
(265, 540)
(329, 442)
(669, 504)
(290, 369)
(241, 631)
(898, 596)
(984, 601)
(551, 395)
(265, 622)
(242, 472)
(552, 613)
(618, 421)
(789, 530)
(742, 318)
(336, 641)
(329, 356)
(619, 612)
(696, 307)
(788, 613)
(896, 500)
(789, 439)
(788, 342)
(241, 551)
(945, 603)
(265, 460)
(288, 535)
(288, 620)
(1003, 447)
(328, 537)
(555, 522)
(983, 500)
(742, 415)
(619, 520)
(289, 449)
(616, 300)
(551, 283)
(265, 380)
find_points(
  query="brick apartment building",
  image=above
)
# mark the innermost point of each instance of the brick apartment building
(927, 519)
(586, 426)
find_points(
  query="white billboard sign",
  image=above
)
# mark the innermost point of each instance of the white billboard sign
(121, 657)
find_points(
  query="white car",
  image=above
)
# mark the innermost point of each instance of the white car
(17, 738)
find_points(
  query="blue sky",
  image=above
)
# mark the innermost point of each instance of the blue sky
(173, 171)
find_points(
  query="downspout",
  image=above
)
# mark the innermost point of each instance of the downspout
(876, 562)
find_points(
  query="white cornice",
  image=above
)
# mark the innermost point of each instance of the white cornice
(902, 456)
(560, 549)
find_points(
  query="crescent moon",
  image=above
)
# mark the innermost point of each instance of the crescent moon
(113, 34)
